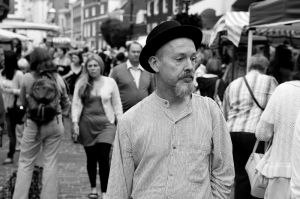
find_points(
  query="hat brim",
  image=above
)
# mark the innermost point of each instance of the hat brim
(184, 31)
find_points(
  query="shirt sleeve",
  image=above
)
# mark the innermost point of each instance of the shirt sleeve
(116, 101)
(222, 167)
(265, 127)
(122, 166)
(77, 106)
(226, 105)
(295, 180)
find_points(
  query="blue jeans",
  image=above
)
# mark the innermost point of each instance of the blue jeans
(45, 139)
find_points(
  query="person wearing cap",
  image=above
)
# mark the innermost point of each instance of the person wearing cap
(133, 81)
(173, 143)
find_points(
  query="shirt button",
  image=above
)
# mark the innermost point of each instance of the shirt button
(174, 147)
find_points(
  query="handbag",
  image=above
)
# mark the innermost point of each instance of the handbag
(16, 112)
(258, 182)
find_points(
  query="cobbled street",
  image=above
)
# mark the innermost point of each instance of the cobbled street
(73, 178)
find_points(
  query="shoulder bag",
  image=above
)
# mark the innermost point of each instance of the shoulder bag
(258, 182)
(252, 95)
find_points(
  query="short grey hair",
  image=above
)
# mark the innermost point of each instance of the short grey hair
(259, 62)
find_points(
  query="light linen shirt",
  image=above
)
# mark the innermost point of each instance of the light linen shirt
(158, 156)
(240, 110)
(295, 180)
(278, 123)
(135, 72)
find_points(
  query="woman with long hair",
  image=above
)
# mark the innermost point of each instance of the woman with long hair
(96, 107)
(10, 83)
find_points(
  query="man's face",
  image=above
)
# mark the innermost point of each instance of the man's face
(2, 58)
(176, 62)
(134, 53)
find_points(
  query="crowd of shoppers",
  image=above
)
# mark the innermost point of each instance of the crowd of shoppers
(180, 119)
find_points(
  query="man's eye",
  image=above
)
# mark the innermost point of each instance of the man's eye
(179, 58)
(193, 59)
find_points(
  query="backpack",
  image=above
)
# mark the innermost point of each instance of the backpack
(44, 98)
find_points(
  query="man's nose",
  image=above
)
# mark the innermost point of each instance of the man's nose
(189, 65)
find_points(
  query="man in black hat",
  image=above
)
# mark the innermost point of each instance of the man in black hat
(172, 144)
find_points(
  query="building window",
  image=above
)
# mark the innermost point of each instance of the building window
(102, 9)
(156, 8)
(165, 6)
(86, 13)
(93, 11)
(152, 7)
(94, 29)
(88, 32)
(149, 8)
(175, 6)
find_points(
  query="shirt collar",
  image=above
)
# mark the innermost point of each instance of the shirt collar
(161, 101)
(129, 65)
(165, 103)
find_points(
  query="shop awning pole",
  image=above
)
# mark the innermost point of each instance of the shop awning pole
(249, 50)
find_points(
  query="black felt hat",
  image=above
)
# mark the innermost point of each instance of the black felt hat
(162, 34)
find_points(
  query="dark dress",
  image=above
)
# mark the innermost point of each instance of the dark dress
(94, 126)
(63, 70)
(71, 81)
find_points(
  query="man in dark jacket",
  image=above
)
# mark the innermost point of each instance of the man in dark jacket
(133, 81)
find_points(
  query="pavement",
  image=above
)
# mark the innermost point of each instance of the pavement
(73, 178)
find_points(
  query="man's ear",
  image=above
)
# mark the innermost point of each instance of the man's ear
(153, 62)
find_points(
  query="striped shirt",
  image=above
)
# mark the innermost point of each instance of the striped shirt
(158, 156)
(240, 110)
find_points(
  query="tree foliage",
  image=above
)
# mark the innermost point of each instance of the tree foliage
(186, 19)
(114, 32)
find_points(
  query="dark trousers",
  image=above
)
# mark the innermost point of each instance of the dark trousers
(98, 154)
(11, 131)
(242, 143)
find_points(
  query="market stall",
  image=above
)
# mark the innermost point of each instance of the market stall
(276, 18)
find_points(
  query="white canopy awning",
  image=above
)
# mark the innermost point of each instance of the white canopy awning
(233, 23)
(6, 35)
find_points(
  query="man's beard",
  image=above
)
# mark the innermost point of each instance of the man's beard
(184, 89)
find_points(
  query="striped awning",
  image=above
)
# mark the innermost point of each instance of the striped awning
(233, 23)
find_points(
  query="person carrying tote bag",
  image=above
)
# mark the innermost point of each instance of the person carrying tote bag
(258, 181)
(277, 123)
